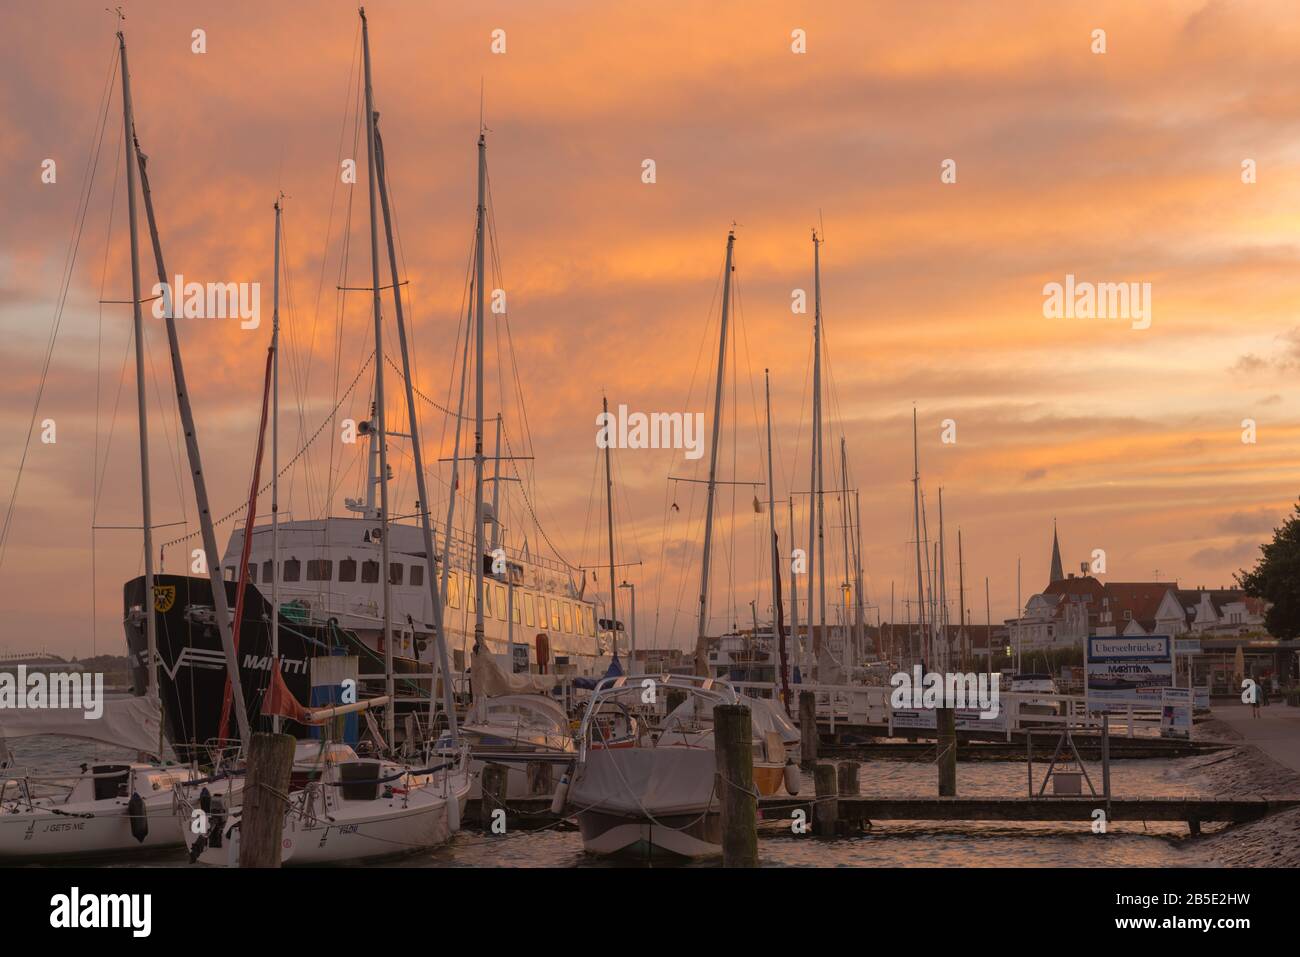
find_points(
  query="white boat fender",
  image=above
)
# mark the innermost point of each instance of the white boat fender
(139, 819)
(561, 794)
(453, 811)
(791, 777)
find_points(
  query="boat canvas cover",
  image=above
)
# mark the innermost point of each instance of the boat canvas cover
(490, 679)
(636, 782)
(134, 723)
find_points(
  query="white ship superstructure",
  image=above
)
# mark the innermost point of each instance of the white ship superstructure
(330, 568)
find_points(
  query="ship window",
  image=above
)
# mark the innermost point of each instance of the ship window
(417, 575)
(395, 573)
(555, 615)
(453, 590)
(590, 619)
(530, 618)
(252, 572)
(266, 570)
(515, 611)
(487, 601)
(499, 601)
(471, 605)
(320, 569)
(292, 570)
(568, 617)
(348, 570)
(370, 571)
(230, 573)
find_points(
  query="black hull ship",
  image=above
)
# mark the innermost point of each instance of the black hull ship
(192, 663)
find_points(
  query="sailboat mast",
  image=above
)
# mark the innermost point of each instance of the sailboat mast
(701, 637)
(816, 545)
(479, 241)
(275, 461)
(609, 518)
(151, 627)
(380, 419)
(496, 494)
(846, 514)
(212, 556)
(776, 554)
(860, 598)
(417, 454)
(794, 586)
(916, 514)
(945, 640)
(961, 603)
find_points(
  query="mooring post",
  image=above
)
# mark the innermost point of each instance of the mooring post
(1029, 760)
(946, 723)
(807, 729)
(270, 759)
(733, 755)
(1105, 756)
(848, 778)
(826, 810)
(495, 782)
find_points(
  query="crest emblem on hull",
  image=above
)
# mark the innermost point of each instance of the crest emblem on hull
(164, 596)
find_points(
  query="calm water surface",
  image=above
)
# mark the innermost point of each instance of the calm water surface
(889, 844)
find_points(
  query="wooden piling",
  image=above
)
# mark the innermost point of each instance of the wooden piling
(946, 723)
(494, 782)
(849, 785)
(807, 729)
(270, 759)
(826, 810)
(733, 754)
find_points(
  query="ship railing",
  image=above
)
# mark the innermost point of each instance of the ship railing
(845, 706)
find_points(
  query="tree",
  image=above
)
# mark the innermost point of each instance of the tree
(1276, 578)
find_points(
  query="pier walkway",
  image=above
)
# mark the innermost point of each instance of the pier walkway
(1276, 731)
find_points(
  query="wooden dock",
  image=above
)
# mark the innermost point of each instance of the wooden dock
(972, 749)
(1193, 810)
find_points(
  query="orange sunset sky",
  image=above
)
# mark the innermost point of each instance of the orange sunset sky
(1120, 167)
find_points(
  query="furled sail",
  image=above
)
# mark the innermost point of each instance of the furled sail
(134, 723)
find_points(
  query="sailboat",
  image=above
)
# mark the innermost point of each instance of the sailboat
(650, 786)
(114, 807)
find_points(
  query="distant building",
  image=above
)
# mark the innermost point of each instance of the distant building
(1072, 607)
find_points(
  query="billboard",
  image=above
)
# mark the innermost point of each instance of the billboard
(1176, 713)
(1128, 671)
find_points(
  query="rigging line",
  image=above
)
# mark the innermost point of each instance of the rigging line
(433, 402)
(70, 260)
(244, 507)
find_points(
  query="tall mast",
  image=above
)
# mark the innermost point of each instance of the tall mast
(916, 513)
(945, 640)
(441, 612)
(151, 627)
(275, 462)
(380, 418)
(794, 586)
(860, 605)
(776, 553)
(478, 391)
(417, 453)
(961, 602)
(850, 639)
(815, 508)
(701, 637)
(929, 585)
(212, 557)
(609, 516)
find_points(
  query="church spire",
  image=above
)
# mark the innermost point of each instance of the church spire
(1058, 574)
